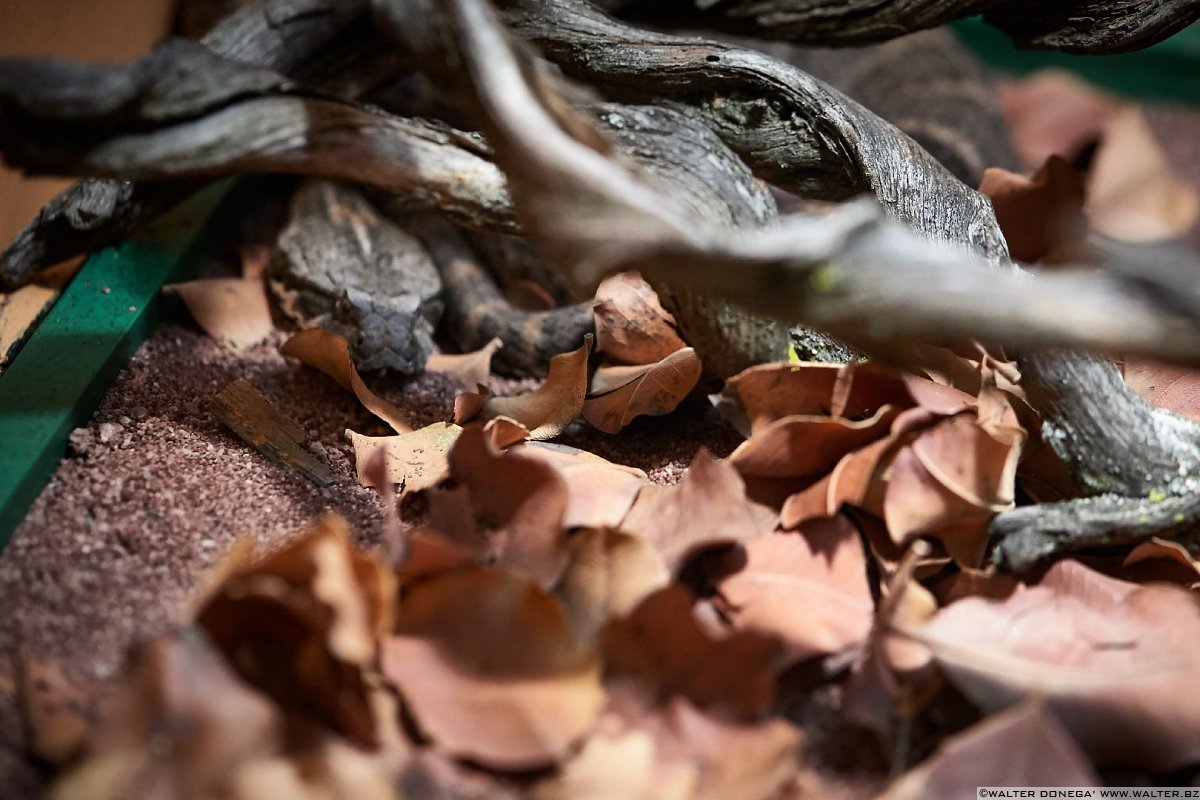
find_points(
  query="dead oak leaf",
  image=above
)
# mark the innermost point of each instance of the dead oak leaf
(510, 505)
(599, 492)
(1023, 746)
(707, 508)
(330, 354)
(608, 574)
(414, 461)
(491, 669)
(545, 411)
(808, 589)
(302, 626)
(632, 327)
(1115, 661)
(1040, 213)
(662, 647)
(619, 394)
(234, 311)
(471, 369)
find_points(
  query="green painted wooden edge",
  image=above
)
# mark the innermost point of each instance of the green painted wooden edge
(62, 372)
(1170, 70)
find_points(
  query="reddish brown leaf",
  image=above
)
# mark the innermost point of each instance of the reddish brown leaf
(760, 395)
(1115, 661)
(302, 626)
(518, 503)
(632, 327)
(1161, 560)
(1053, 112)
(608, 574)
(1021, 747)
(707, 508)
(330, 354)
(619, 394)
(491, 669)
(599, 492)
(549, 408)
(1038, 214)
(662, 646)
(808, 589)
(234, 311)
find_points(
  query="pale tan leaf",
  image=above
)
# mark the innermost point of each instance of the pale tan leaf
(414, 461)
(471, 369)
(553, 405)
(650, 390)
(234, 311)
(330, 354)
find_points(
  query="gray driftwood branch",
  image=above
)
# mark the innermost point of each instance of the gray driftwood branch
(1075, 26)
(575, 197)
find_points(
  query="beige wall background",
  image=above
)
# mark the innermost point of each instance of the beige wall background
(90, 30)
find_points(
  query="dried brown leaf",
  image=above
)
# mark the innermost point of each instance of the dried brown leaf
(546, 410)
(1023, 746)
(599, 492)
(1115, 661)
(414, 461)
(619, 394)
(1053, 112)
(707, 508)
(491, 670)
(471, 369)
(632, 327)
(514, 506)
(1041, 213)
(808, 589)
(234, 311)
(662, 647)
(302, 626)
(330, 354)
(608, 574)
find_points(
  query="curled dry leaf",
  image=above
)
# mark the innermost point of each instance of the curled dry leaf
(807, 589)
(1115, 661)
(632, 327)
(178, 724)
(619, 394)
(662, 647)
(1041, 213)
(762, 394)
(330, 354)
(608, 574)
(513, 506)
(599, 492)
(471, 369)
(1161, 560)
(707, 508)
(414, 461)
(302, 625)
(491, 669)
(234, 311)
(1023, 746)
(544, 411)
(948, 484)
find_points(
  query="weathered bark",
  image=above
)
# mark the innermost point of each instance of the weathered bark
(309, 39)
(1074, 26)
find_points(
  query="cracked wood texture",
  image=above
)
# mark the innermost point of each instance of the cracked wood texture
(1074, 26)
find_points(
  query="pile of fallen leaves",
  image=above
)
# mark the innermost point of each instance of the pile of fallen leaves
(560, 627)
